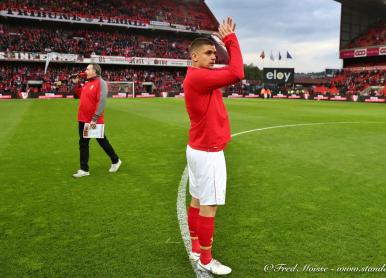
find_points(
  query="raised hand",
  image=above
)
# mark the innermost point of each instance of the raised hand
(225, 28)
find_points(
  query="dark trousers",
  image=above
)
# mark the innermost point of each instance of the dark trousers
(84, 149)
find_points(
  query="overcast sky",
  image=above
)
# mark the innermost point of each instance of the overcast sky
(308, 29)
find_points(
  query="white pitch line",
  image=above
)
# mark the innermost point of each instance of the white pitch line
(296, 125)
(181, 197)
(182, 220)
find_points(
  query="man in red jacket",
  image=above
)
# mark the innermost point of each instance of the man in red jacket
(208, 136)
(92, 103)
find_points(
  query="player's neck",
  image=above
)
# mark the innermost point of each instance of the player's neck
(196, 66)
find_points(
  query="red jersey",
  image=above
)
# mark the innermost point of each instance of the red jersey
(209, 121)
(92, 100)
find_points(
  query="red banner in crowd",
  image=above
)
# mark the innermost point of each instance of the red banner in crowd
(140, 61)
(362, 52)
(365, 68)
(29, 56)
(74, 18)
(75, 58)
(105, 20)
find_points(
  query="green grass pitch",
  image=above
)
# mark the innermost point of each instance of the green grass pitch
(298, 195)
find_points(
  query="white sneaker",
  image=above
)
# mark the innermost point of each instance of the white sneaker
(214, 267)
(80, 174)
(115, 167)
(194, 256)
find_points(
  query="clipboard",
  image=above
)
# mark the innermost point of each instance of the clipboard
(97, 132)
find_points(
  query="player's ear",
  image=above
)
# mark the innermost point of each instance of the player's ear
(194, 56)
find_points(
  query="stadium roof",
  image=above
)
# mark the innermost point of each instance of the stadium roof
(365, 4)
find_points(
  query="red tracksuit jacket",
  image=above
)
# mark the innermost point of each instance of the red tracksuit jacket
(209, 122)
(92, 103)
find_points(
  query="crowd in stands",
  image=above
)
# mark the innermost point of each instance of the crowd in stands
(373, 36)
(43, 38)
(14, 79)
(88, 42)
(193, 13)
(237, 88)
(345, 83)
(349, 82)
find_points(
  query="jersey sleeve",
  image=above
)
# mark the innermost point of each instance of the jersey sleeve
(101, 99)
(210, 79)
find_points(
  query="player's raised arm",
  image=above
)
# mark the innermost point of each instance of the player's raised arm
(204, 55)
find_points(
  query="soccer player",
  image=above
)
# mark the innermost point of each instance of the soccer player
(92, 103)
(208, 136)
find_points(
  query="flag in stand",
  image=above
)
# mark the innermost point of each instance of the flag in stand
(49, 57)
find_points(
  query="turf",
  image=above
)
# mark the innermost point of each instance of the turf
(297, 195)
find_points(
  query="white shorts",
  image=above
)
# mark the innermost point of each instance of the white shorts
(207, 176)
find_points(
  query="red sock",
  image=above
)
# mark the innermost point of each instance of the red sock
(205, 229)
(192, 223)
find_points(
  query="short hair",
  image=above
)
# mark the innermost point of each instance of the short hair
(198, 42)
(97, 68)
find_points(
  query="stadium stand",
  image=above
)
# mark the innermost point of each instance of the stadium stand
(14, 79)
(349, 82)
(359, 81)
(362, 48)
(22, 35)
(364, 71)
(190, 13)
(87, 42)
(375, 35)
